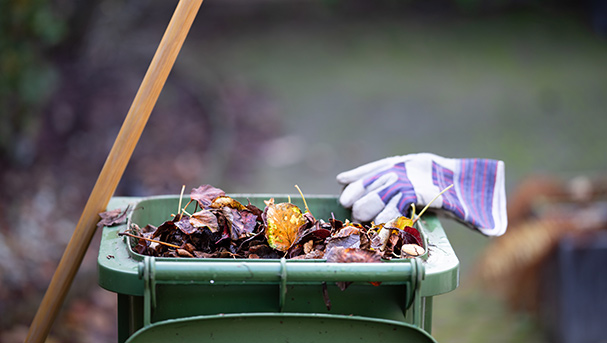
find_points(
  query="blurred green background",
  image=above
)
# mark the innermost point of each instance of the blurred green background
(268, 94)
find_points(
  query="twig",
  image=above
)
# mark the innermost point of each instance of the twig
(148, 239)
(186, 206)
(180, 197)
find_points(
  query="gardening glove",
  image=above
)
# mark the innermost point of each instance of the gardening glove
(385, 189)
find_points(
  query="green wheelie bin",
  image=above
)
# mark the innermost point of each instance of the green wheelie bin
(264, 300)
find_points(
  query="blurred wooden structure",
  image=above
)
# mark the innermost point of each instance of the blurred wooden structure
(541, 212)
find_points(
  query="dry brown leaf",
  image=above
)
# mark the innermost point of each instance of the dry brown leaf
(282, 224)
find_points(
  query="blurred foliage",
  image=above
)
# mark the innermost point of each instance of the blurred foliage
(28, 30)
(36, 34)
(465, 6)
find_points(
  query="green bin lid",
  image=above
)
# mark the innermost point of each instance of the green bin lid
(280, 327)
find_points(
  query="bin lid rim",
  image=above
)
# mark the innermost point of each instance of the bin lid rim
(183, 322)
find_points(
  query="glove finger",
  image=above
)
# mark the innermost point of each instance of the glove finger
(351, 193)
(367, 169)
(373, 167)
(391, 210)
(401, 197)
(367, 207)
(357, 189)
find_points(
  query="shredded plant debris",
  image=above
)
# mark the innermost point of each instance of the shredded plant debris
(221, 227)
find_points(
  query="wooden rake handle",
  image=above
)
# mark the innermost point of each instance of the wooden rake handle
(114, 167)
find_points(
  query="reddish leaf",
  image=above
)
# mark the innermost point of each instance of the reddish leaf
(394, 242)
(350, 255)
(415, 233)
(142, 247)
(243, 223)
(312, 255)
(261, 251)
(184, 253)
(336, 224)
(185, 226)
(255, 210)
(314, 232)
(204, 218)
(113, 217)
(168, 232)
(347, 231)
(347, 237)
(350, 241)
(205, 195)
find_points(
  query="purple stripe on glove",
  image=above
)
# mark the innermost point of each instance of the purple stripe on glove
(476, 180)
(401, 186)
(443, 178)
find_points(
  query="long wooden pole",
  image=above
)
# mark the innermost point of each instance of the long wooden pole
(114, 167)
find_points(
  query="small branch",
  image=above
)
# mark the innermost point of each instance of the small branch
(148, 239)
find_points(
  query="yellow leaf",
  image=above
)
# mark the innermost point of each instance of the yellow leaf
(401, 222)
(224, 200)
(283, 221)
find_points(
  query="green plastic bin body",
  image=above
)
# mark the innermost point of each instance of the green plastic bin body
(183, 298)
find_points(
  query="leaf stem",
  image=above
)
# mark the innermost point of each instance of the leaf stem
(303, 198)
(180, 197)
(431, 201)
(186, 206)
